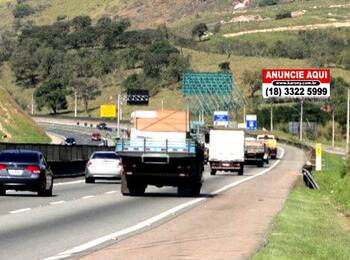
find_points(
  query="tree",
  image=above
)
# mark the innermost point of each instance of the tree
(224, 66)
(51, 94)
(178, 64)
(87, 89)
(81, 22)
(7, 45)
(134, 81)
(253, 80)
(199, 30)
(22, 10)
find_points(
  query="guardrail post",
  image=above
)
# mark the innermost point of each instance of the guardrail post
(166, 145)
(144, 144)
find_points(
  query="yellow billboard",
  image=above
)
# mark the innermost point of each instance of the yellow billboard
(109, 111)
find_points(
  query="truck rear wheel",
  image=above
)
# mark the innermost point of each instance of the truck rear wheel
(260, 163)
(189, 190)
(241, 170)
(213, 172)
(132, 188)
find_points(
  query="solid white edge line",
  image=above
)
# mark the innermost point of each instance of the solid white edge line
(68, 183)
(88, 197)
(57, 202)
(153, 220)
(111, 192)
(19, 210)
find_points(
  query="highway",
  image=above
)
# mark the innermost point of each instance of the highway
(37, 227)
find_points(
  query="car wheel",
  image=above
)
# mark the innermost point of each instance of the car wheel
(2, 192)
(89, 180)
(260, 163)
(44, 192)
(213, 172)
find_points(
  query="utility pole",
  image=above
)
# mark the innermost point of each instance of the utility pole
(33, 103)
(333, 133)
(75, 103)
(271, 118)
(347, 122)
(118, 116)
(301, 121)
(244, 114)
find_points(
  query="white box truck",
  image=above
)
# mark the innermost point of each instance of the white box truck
(226, 151)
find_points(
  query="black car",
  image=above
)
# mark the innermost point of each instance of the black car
(25, 170)
(70, 141)
(102, 126)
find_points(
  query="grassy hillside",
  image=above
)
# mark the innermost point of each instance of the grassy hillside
(172, 98)
(182, 14)
(15, 124)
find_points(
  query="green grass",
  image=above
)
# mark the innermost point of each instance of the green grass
(15, 123)
(313, 224)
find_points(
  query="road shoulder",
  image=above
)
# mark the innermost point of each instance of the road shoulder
(232, 225)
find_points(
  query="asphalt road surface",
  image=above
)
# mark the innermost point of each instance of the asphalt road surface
(35, 227)
(83, 139)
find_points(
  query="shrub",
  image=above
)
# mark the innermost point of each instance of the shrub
(283, 14)
(22, 10)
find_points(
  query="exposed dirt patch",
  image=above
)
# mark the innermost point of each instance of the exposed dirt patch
(292, 28)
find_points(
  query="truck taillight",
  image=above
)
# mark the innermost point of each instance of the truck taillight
(33, 169)
(2, 167)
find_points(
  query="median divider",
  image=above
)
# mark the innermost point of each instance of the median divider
(64, 161)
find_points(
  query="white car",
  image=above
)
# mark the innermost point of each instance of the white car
(103, 165)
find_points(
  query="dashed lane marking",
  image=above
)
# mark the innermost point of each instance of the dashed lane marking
(149, 222)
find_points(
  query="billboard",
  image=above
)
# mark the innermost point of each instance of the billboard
(296, 83)
(109, 111)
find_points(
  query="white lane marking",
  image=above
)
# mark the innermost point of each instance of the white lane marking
(248, 178)
(68, 183)
(111, 192)
(57, 202)
(87, 197)
(153, 220)
(19, 210)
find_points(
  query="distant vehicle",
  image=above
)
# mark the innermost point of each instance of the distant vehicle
(103, 165)
(256, 152)
(70, 141)
(226, 152)
(96, 137)
(101, 126)
(25, 170)
(271, 144)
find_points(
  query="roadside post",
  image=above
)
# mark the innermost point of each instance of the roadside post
(318, 151)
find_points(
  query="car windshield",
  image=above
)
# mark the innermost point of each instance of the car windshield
(105, 156)
(19, 157)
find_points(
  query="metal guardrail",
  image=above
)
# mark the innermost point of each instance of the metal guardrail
(59, 153)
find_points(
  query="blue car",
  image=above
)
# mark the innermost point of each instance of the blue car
(25, 170)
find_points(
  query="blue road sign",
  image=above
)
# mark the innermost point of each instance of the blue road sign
(251, 122)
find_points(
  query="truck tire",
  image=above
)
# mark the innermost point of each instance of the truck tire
(241, 170)
(189, 190)
(274, 156)
(89, 180)
(213, 172)
(260, 163)
(132, 188)
(2, 192)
